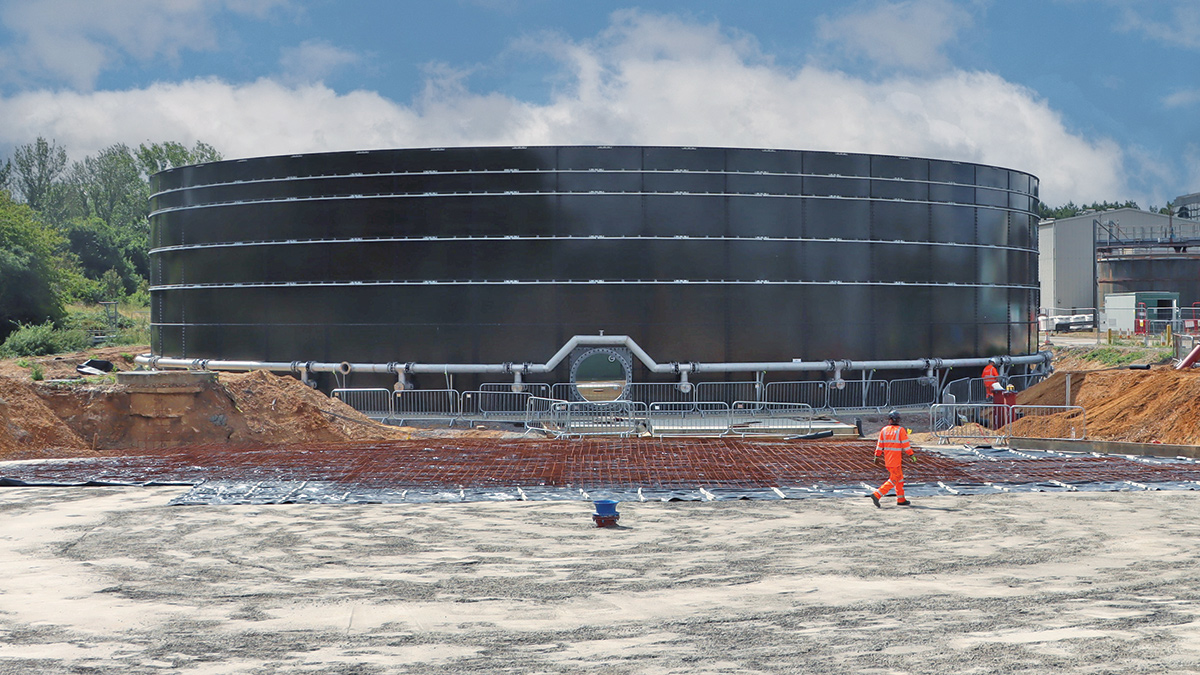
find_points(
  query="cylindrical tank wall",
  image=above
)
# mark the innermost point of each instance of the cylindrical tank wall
(488, 255)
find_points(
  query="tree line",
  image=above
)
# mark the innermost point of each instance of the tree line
(78, 231)
(1071, 209)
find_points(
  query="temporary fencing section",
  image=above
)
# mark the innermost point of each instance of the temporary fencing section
(374, 403)
(502, 401)
(582, 418)
(669, 408)
(426, 405)
(995, 423)
(860, 395)
(750, 418)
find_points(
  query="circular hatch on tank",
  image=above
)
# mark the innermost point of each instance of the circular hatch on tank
(601, 374)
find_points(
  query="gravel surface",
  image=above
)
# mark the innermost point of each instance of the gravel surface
(111, 580)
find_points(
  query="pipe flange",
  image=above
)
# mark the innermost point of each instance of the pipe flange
(408, 367)
(507, 366)
(392, 367)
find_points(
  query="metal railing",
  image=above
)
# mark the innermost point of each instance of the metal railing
(860, 395)
(577, 419)
(426, 405)
(708, 418)
(750, 418)
(912, 392)
(374, 403)
(998, 423)
(507, 401)
(713, 408)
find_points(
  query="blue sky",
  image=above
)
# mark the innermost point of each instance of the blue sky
(1100, 98)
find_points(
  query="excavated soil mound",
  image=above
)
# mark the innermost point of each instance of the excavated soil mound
(28, 428)
(1053, 389)
(280, 409)
(1161, 405)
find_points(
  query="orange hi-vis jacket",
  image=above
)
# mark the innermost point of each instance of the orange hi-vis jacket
(893, 445)
(990, 376)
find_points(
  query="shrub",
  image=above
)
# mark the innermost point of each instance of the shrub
(37, 373)
(42, 339)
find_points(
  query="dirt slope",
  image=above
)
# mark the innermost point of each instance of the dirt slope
(48, 419)
(1146, 406)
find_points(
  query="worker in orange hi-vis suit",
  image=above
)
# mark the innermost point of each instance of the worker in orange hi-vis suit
(991, 379)
(893, 447)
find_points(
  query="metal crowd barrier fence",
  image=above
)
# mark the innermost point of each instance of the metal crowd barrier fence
(750, 418)
(997, 423)
(814, 394)
(913, 392)
(967, 390)
(540, 412)
(729, 392)
(860, 395)
(660, 392)
(585, 418)
(966, 421)
(1023, 382)
(683, 418)
(374, 403)
(500, 400)
(426, 404)
(744, 407)
(1068, 422)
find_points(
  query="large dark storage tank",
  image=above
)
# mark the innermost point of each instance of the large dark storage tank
(492, 255)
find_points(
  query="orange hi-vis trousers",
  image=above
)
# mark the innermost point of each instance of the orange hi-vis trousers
(895, 480)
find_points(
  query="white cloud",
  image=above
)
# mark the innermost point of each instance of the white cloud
(1182, 98)
(314, 61)
(648, 80)
(909, 34)
(73, 42)
(1174, 22)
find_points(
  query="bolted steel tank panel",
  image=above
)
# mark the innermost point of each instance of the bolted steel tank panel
(490, 255)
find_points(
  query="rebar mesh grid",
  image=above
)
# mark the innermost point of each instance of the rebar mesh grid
(726, 463)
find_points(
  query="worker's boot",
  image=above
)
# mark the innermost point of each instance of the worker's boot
(875, 498)
(903, 502)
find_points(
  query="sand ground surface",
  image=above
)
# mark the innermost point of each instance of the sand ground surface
(112, 580)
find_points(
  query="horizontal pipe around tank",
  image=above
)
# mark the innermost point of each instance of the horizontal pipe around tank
(590, 341)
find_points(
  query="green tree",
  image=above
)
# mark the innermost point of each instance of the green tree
(30, 269)
(36, 169)
(98, 249)
(169, 155)
(1070, 209)
(109, 195)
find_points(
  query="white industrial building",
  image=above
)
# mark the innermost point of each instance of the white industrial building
(1068, 249)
